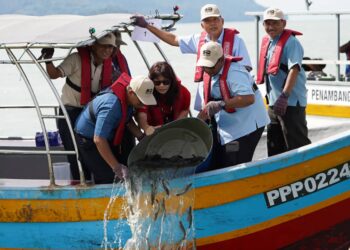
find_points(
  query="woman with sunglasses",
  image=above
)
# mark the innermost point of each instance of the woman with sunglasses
(173, 99)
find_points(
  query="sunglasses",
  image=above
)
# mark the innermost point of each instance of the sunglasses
(158, 82)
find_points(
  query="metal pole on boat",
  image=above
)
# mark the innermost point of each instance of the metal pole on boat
(338, 45)
(38, 111)
(257, 19)
(65, 115)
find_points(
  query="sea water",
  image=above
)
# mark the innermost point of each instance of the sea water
(319, 41)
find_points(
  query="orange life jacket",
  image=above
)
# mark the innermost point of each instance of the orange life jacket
(224, 90)
(106, 80)
(119, 89)
(274, 63)
(122, 62)
(227, 45)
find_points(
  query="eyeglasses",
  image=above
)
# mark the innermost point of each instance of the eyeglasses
(158, 82)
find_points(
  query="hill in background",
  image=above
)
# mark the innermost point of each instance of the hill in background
(231, 10)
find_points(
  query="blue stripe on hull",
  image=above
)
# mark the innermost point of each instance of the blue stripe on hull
(74, 235)
(253, 210)
(68, 192)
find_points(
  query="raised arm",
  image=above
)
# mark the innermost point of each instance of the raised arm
(165, 36)
(345, 47)
(51, 70)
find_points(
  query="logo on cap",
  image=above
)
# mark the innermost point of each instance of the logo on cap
(208, 9)
(149, 91)
(206, 52)
(271, 12)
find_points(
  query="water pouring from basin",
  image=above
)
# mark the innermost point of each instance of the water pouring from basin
(159, 190)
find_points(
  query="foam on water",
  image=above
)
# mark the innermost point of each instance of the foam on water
(159, 205)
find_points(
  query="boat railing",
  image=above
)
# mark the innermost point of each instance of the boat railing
(18, 62)
(336, 14)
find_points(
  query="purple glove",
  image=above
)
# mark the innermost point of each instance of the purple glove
(281, 105)
(47, 53)
(213, 107)
(140, 21)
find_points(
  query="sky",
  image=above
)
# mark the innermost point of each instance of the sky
(299, 5)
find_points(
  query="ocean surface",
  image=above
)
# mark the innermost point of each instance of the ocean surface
(319, 41)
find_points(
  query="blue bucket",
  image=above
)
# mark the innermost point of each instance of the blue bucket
(183, 138)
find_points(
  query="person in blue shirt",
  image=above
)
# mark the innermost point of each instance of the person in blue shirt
(212, 24)
(101, 126)
(244, 126)
(286, 88)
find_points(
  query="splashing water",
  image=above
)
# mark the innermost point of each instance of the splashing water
(116, 192)
(159, 205)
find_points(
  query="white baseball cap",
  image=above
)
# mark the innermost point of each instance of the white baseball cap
(143, 88)
(210, 53)
(108, 39)
(118, 38)
(273, 13)
(209, 10)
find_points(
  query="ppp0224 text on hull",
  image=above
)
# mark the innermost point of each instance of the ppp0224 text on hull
(300, 197)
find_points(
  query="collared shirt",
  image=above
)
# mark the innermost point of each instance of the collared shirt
(108, 113)
(292, 55)
(246, 120)
(71, 68)
(189, 45)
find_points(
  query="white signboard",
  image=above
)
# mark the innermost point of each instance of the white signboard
(328, 94)
(142, 34)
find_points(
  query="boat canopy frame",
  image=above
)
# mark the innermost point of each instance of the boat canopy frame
(13, 39)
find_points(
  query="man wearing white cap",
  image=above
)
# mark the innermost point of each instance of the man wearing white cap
(213, 25)
(101, 126)
(233, 105)
(86, 72)
(280, 67)
(119, 61)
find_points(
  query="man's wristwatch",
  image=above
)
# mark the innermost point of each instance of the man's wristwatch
(222, 104)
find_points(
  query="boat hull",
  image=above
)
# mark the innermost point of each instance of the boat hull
(274, 203)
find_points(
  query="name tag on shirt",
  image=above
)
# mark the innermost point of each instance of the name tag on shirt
(142, 34)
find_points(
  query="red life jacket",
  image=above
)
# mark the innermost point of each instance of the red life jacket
(156, 115)
(274, 63)
(119, 89)
(227, 46)
(106, 80)
(224, 90)
(122, 62)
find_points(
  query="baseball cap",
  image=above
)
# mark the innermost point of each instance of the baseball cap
(118, 38)
(209, 10)
(108, 39)
(210, 53)
(143, 88)
(273, 13)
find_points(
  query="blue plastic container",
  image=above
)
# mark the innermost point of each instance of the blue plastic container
(53, 137)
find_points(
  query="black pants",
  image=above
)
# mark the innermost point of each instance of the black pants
(239, 151)
(73, 113)
(287, 132)
(94, 162)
